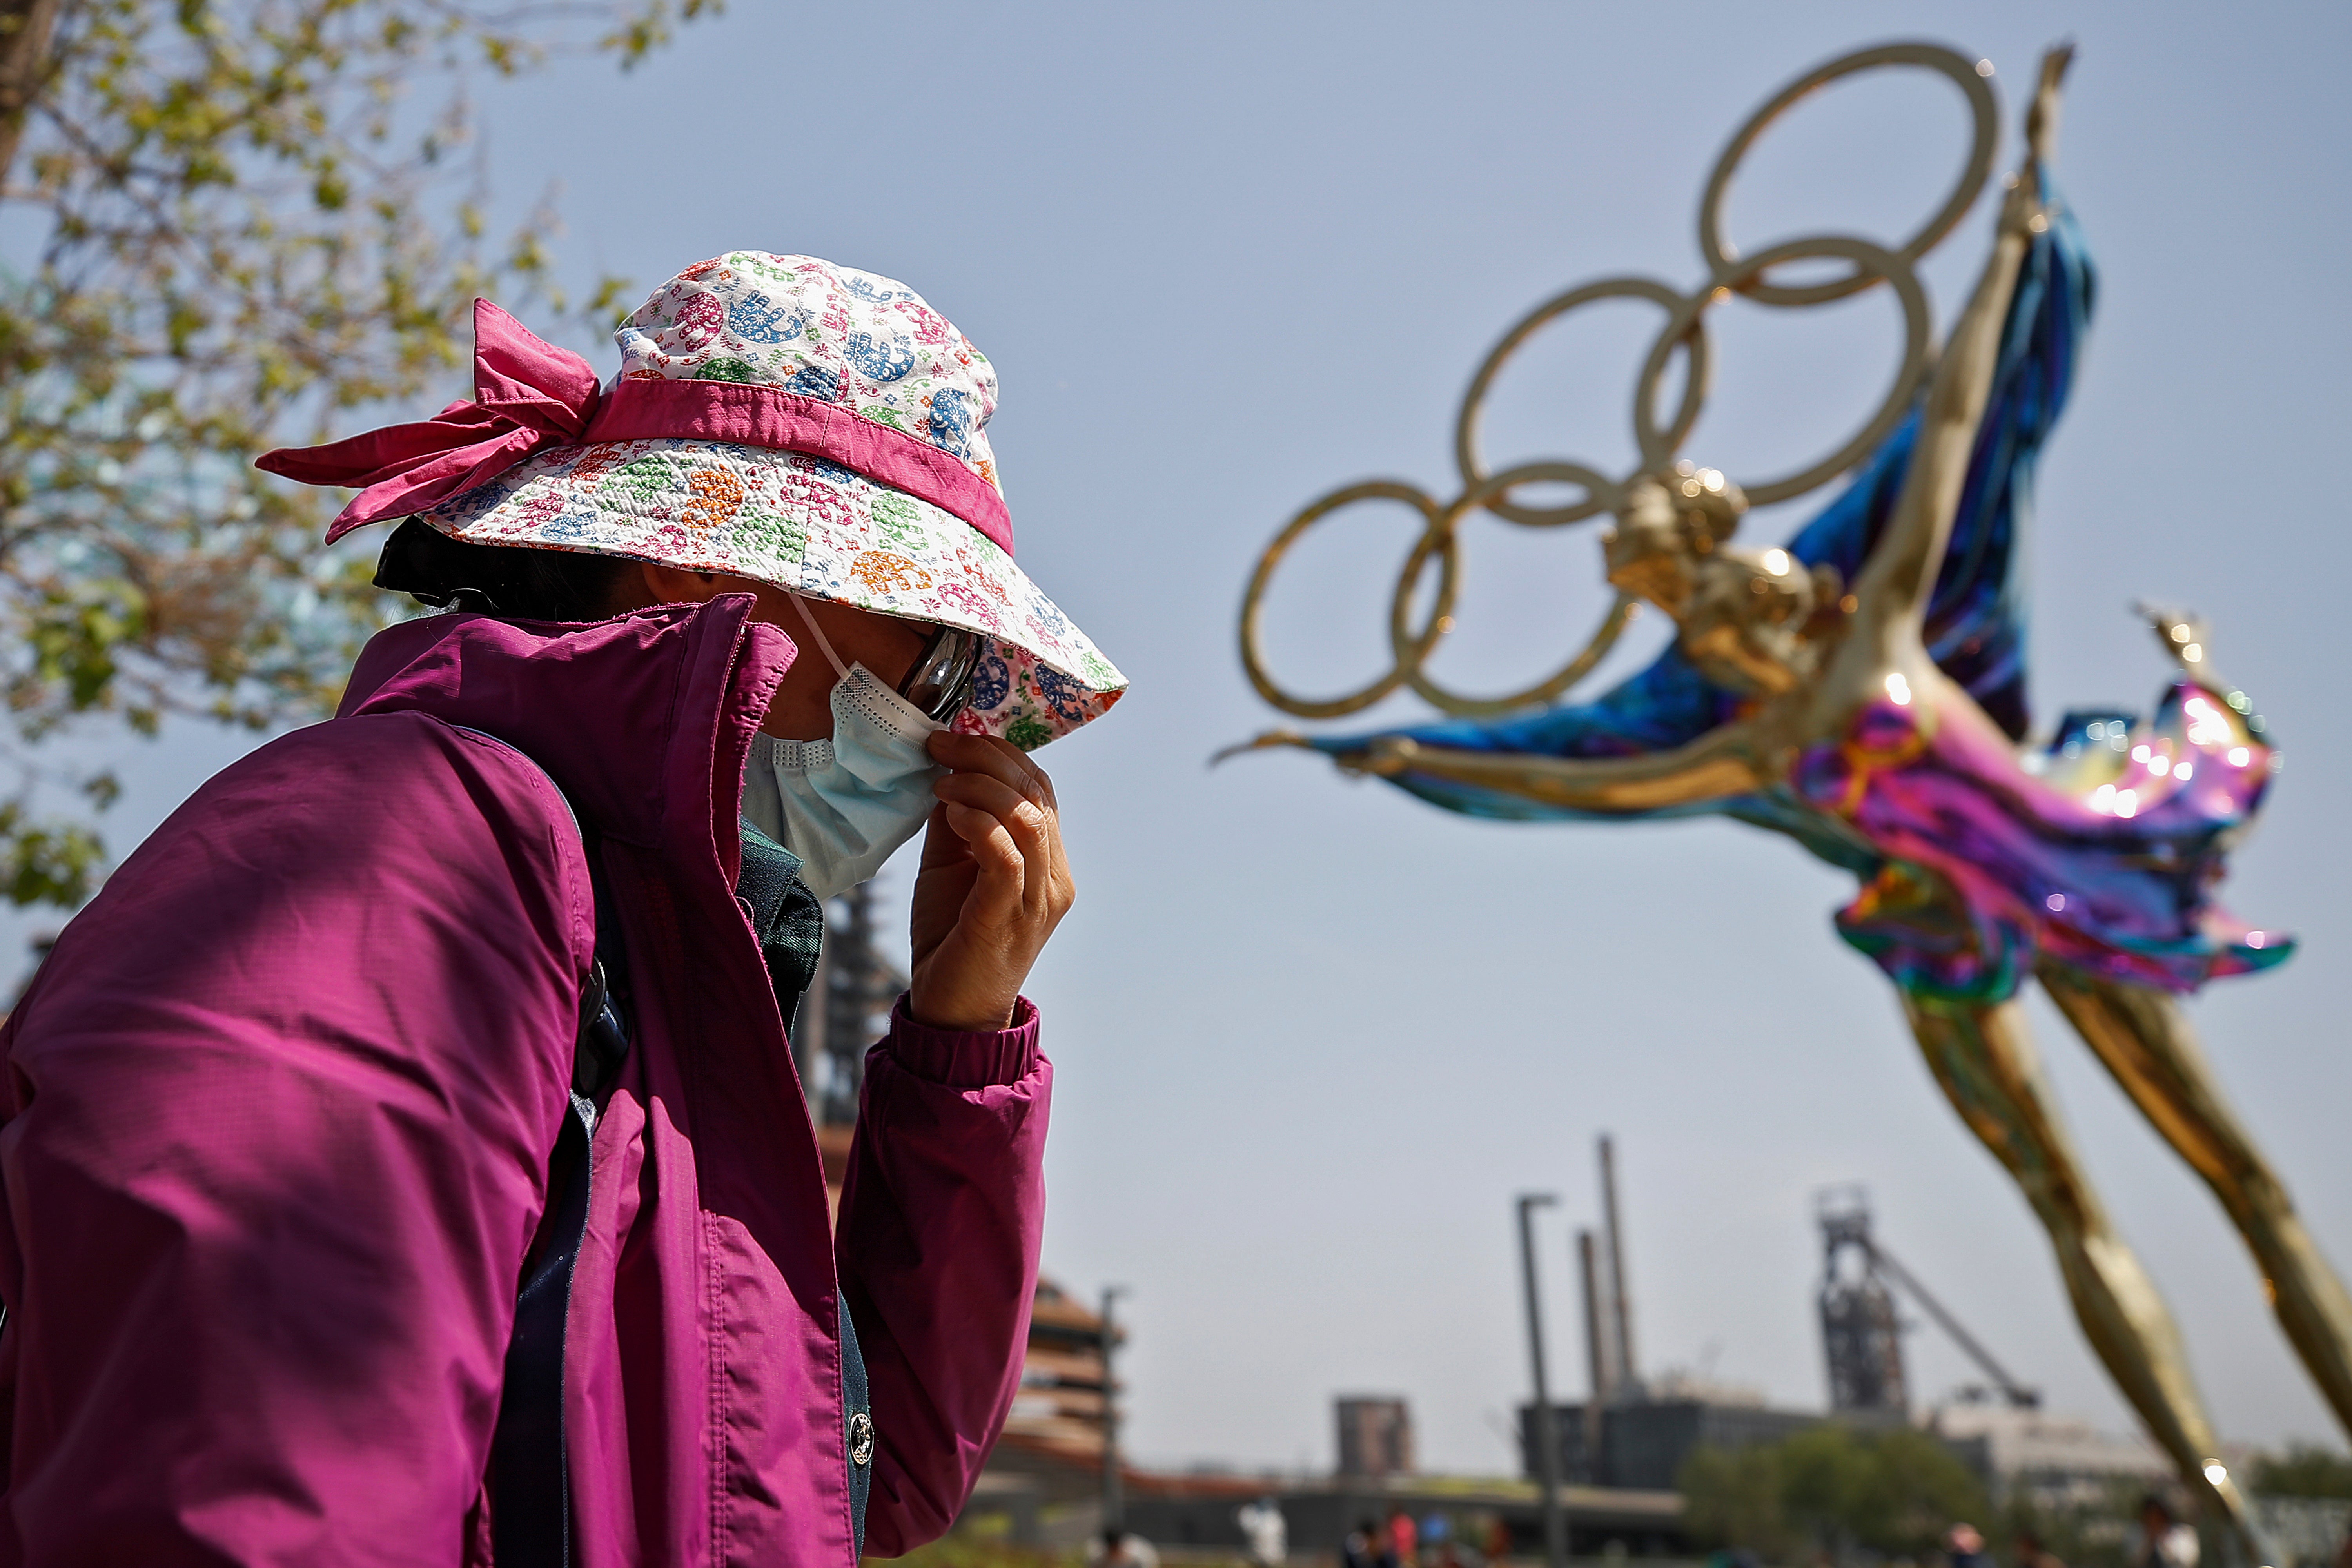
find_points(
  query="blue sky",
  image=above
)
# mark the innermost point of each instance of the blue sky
(1312, 1036)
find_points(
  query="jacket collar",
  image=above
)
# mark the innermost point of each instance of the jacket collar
(643, 720)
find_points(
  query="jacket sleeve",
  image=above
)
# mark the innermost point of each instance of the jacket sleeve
(279, 1110)
(942, 1212)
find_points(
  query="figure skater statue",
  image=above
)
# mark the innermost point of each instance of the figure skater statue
(1861, 690)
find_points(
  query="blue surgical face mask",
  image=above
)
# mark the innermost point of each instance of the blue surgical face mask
(845, 804)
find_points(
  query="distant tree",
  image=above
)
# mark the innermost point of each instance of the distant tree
(1914, 1489)
(1731, 1497)
(2303, 1470)
(1830, 1488)
(2091, 1531)
(243, 222)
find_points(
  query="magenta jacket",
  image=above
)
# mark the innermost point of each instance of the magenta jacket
(279, 1110)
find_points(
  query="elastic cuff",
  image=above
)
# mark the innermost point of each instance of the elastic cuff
(965, 1058)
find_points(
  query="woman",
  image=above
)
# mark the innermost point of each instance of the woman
(329, 1065)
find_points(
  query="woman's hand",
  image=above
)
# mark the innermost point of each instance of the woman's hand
(992, 886)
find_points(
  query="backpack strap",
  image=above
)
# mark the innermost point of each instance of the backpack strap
(530, 1475)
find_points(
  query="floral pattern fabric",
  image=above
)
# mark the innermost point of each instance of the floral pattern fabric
(800, 521)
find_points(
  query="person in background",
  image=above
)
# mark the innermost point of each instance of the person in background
(1404, 1540)
(1356, 1552)
(1268, 1533)
(2166, 1539)
(1437, 1537)
(1964, 1547)
(2032, 1554)
(1117, 1548)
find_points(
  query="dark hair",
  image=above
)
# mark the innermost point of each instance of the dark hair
(517, 579)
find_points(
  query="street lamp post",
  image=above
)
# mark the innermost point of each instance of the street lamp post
(1547, 1421)
(1114, 1500)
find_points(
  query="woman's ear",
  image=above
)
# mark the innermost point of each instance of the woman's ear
(676, 585)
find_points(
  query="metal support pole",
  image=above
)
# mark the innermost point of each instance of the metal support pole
(1547, 1420)
(1114, 1500)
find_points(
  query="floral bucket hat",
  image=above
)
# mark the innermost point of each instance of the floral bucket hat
(776, 417)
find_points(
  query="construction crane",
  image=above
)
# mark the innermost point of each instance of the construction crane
(1860, 1331)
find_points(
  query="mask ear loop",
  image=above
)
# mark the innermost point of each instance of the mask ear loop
(818, 632)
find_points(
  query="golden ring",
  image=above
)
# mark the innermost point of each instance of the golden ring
(1253, 597)
(1722, 258)
(1600, 493)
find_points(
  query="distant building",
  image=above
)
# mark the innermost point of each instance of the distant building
(1642, 1446)
(2056, 1461)
(1375, 1436)
(2305, 1531)
(1055, 1428)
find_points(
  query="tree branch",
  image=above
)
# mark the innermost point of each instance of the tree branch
(24, 62)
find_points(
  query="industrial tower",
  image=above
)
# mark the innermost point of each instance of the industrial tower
(1861, 1334)
(1608, 1304)
(845, 1009)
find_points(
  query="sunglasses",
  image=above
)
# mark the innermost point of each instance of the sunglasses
(940, 685)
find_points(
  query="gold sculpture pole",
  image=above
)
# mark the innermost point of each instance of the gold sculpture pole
(2143, 1039)
(1813, 654)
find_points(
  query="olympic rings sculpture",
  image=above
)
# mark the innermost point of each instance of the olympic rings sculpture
(1657, 440)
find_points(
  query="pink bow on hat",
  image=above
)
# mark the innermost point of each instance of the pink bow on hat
(527, 393)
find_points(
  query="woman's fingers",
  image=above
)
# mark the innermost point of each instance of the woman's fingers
(997, 857)
(988, 756)
(1002, 868)
(998, 758)
(1031, 827)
